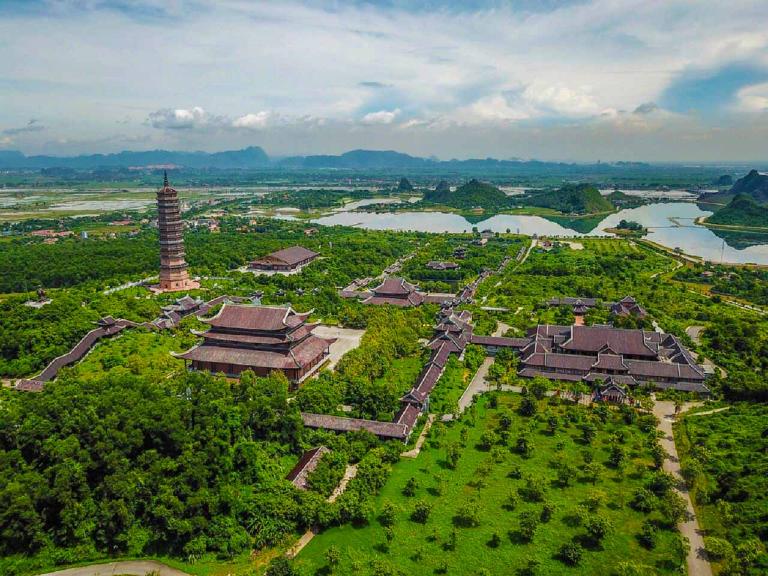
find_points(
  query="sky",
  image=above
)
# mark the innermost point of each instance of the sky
(633, 80)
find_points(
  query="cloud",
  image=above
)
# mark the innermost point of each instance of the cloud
(373, 84)
(253, 121)
(31, 126)
(484, 69)
(381, 117)
(753, 98)
(646, 108)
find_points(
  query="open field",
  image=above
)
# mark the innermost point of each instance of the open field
(478, 491)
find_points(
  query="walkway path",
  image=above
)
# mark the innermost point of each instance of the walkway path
(501, 328)
(131, 567)
(477, 386)
(698, 565)
(708, 412)
(306, 538)
(414, 452)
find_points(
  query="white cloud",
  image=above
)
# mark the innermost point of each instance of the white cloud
(265, 66)
(253, 121)
(753, 98)
(381, 117)
(179, 118)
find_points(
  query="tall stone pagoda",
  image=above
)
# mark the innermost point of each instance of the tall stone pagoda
(174, 276)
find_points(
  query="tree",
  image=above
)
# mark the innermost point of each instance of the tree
(529, 522)
(538, 387)
(280, 566)
(547, 512)
(332, 556)
(453, 453)
(598, 527)
(570, 553)
(421, 512)
(588, 432)
(388, 514)
(410, 487)
(528, 406)
(495, 540)
(647, 535)
(467, 516)
(524, 445)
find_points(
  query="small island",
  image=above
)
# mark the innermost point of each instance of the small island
(628, 228)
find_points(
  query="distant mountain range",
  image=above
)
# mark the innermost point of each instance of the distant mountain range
(255, 157)
(252, 157)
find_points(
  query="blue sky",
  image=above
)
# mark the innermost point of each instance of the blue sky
(566, 80)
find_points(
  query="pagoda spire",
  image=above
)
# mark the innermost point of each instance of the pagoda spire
(165, 179)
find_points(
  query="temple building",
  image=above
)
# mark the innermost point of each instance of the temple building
(285, 260)
(173, 268)
(259, 338)
(597, 353)
(397, 292)
(628, 306)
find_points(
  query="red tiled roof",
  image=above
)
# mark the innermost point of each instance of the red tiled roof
(594, 338)
(259, 318)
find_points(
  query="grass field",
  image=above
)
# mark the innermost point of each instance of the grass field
(725, 454)
(480, 487)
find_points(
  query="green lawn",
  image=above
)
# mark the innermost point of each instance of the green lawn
(482, 482)
(725, 456)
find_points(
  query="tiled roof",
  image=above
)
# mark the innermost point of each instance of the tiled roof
(259, 318)
(290, 256)
(306, 464)
(342, 424)
(298, 356)
(594, 338)
(394, 286)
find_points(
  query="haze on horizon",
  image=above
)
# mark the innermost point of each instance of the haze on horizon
(553, 80)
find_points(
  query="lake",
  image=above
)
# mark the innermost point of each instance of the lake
(670, 224)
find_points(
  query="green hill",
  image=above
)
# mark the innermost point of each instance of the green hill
(754, 185)
(572, 199)
(741, 211)
(473, 194)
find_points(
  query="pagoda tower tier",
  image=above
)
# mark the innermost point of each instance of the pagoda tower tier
(174, 275)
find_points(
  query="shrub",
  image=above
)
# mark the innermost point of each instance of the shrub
(570, 553)
(647, 535)
(467, 516)
(421, 512)
(598, 527)
(547, 512)
(533, 490)
(529, 522)
(642, 500)
(528, 406)
(718, 548)
(388, 514)
(410, 487)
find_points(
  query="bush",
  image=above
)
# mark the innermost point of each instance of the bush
(467, 516)
(570, 553)
(647, 535)
(718, 548)
(529, 522)
(421, 512)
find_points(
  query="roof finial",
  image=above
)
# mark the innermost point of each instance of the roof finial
(165, 179)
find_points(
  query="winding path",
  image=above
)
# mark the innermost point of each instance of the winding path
(698, 564)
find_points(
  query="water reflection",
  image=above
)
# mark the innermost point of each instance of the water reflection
(670, 224)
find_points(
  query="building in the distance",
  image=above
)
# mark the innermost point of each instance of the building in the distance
(397, 292)
(173, 267)
(259, 338)
(285, 260)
